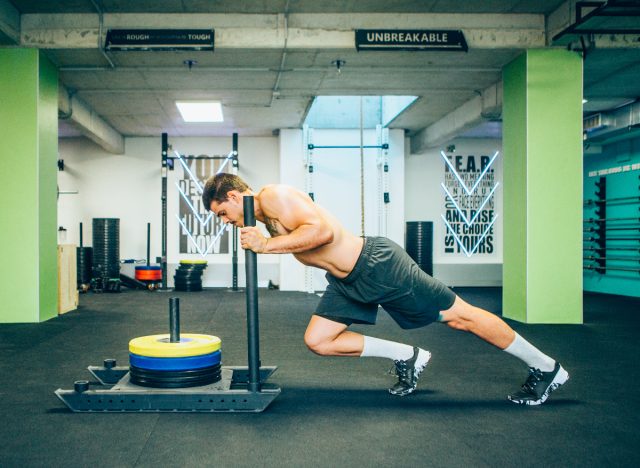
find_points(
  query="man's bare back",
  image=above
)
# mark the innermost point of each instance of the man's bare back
(297, 226)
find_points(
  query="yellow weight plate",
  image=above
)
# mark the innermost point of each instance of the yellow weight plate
(191, 344)
(193, 262)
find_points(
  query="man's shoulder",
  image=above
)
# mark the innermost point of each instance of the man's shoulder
(276, 189)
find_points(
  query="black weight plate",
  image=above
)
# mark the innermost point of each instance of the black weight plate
(155, 384)
(177, 380)
(189, 272)
(143, 378)
(188, 289)
(173, 374)
(179, 284)
(187, 278)
(188, 284)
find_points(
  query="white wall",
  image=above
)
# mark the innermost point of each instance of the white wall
(425, 200)
(335, 183)
(129, 187)
(293, 275)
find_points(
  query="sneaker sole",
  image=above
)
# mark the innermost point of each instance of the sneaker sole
(560, 379)
(409, 392)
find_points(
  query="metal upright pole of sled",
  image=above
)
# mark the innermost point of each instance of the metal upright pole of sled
(165, 168)
(234, 256)
(251, 270)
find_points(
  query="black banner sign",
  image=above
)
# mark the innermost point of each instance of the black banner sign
(160, 39)
(410, 39)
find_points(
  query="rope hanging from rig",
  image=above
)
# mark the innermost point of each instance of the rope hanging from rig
(361, 168)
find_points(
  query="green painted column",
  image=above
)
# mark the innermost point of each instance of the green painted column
(542, 147)
(29, 136)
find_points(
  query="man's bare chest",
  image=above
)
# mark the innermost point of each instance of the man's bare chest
(274, 227)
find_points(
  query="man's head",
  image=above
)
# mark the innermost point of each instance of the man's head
(222, 194)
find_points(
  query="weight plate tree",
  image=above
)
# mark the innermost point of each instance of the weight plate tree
(188, 276)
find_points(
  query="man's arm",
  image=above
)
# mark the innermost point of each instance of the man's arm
(307, 229)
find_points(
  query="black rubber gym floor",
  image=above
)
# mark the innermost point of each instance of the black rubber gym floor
(332, 412)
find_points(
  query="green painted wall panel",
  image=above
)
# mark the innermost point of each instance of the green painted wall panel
(514, 148)
(47, 184)
(554, 180)
(24, 180)
(542, 141)
(18, 185)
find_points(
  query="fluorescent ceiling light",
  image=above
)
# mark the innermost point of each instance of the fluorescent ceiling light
(200, 111)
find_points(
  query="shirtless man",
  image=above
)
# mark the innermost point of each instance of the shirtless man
(365, 273)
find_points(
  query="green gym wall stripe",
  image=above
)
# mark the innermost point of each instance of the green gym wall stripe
(542, 143)
(514, 137)
(29, 132)
(48, 191)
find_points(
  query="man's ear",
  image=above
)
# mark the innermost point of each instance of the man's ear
(233, 195)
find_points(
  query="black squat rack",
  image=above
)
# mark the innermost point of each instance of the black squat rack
(240, 388)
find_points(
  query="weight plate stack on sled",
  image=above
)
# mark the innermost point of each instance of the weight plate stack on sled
(192, 360)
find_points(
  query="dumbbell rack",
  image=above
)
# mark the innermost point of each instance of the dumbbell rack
(240, 388)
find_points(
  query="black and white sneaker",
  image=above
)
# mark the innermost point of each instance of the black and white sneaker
(409, 371)
(539, 385)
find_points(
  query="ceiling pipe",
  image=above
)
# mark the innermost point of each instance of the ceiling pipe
(288, 70)
(100, 32)
(622, 122)
(485, 106)
(276, 92)
(91, 125)
(62, 114)
(291, 91)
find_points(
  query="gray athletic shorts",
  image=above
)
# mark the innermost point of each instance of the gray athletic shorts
(385, 275)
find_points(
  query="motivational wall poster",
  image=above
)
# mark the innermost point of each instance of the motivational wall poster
(469, 188)
(201, 232)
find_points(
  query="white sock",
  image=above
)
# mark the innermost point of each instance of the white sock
(375, 347)
(531, 355)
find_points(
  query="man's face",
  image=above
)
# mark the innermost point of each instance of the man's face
(229, 211)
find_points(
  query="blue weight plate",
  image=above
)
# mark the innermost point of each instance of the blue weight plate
(175, 363)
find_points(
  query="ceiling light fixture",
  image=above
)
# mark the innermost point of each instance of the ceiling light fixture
(200, 111)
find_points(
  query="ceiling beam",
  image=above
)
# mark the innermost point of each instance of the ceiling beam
(487, 105)
(304, 31)
(565, 16)
(9, 21)
(90, 124)
(561, 18)
(615, 41)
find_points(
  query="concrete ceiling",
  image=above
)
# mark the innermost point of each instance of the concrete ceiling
(272, 57)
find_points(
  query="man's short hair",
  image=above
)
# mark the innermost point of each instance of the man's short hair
(219, 185)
